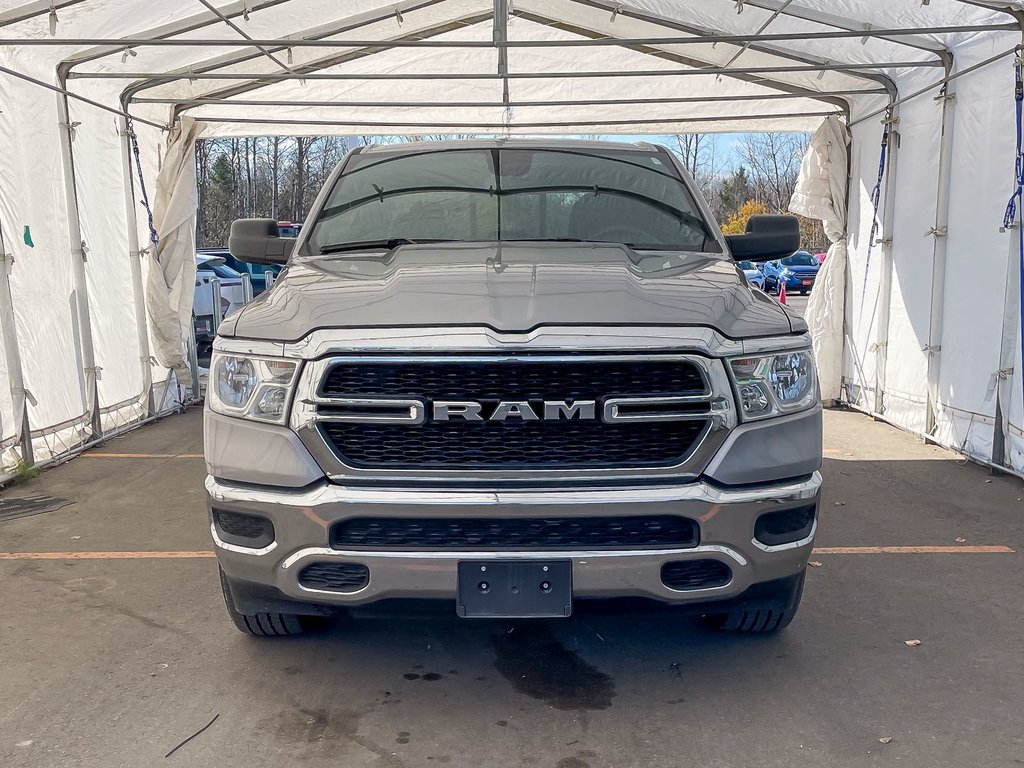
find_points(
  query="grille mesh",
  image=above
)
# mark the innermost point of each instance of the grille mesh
(695, 574)
(336, 577)
(523, 379)
(513, 444)
(516, 533)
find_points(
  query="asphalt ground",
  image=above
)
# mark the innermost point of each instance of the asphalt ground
(112, 659)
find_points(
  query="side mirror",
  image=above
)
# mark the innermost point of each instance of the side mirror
(258, 241)
(768, 237)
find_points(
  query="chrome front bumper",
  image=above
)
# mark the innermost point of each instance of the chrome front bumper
(302, 521)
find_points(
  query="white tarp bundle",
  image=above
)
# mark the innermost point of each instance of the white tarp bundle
(821, 194)
(921, 325)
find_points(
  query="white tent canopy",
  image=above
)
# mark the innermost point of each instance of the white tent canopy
(918, 324)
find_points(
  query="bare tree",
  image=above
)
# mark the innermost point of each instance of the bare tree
(773, 162)
(697, 151)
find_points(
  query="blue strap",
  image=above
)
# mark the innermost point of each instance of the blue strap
(1014, 207)
(876, 196)
(153, 237)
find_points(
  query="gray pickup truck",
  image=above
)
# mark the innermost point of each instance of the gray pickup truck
(512, 375)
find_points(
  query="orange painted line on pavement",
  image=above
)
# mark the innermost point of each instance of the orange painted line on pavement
(961, 550)
(94, 455)
(201, 554)
(104, 555)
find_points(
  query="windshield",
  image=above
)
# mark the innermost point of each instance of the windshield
(800, 259)
(747, 265)
(620, 196)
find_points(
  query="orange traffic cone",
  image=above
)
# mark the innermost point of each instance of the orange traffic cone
(782, 292)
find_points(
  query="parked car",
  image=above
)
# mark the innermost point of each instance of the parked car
(753, 274)
(521, 374)
(798, 271)
(232, 296)
(257, 272)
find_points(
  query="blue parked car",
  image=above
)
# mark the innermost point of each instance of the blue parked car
(798, 271)
(752, 273)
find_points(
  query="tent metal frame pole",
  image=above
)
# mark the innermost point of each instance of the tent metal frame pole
(409, 6)
(118, 44)
(89, 372)
(32, 10)
(135, 256)
(63, 91)
(157, 77)
(1008, 347)
(1009, 342)
(859, 28)
(886, 251)
(161, 36)
(500, 39)
(941, 82)
(940, 241)
(12, 355)
(200, 102)
(500, 126)
(261, 48)
(614, 7)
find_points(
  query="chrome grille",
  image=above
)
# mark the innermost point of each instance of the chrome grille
(537, 416)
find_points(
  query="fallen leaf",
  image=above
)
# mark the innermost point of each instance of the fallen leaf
(75, 538)
(912, 643)
(885, 739)
(840, 503)
(815, 564)
(960, 539)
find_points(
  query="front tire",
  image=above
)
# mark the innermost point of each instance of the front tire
(261, 624)
(763, 616)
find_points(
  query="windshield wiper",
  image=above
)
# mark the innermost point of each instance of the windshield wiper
(369, 245)
(549, 240)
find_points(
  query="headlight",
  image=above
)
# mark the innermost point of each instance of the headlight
(770, 385)
(251, 387)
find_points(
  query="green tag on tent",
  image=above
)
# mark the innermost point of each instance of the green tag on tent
(28, 237)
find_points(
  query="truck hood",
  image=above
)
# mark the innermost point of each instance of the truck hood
(510, 287)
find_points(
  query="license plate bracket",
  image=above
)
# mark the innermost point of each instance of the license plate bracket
(514, 589)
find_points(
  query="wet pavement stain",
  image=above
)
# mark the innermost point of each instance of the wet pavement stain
(430, 677)
(403, 737)
(538, 665)
(501, 723)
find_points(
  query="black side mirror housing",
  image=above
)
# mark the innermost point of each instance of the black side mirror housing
(258, 241)
(768, 237)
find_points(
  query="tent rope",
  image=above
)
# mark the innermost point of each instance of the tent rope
(876, 193)
(1014, 215)
(154, 238)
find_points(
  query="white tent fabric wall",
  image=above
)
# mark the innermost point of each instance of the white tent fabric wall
(884, 321)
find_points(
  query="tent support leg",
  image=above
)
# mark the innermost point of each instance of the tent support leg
(934, 345)
(1010, 340)
(881, 344)
(89, 372)
(12, 357)
(1007, 353)
(135, 261)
